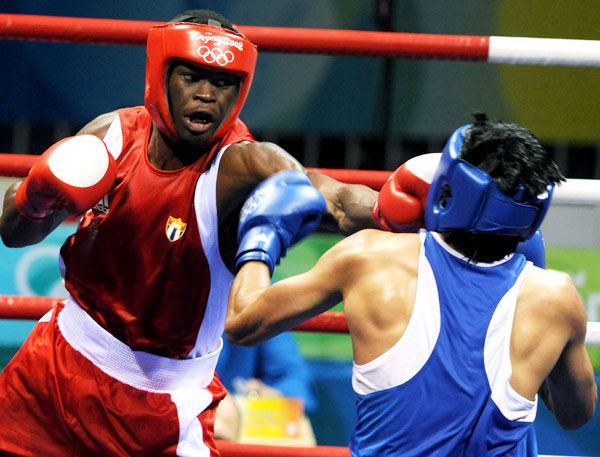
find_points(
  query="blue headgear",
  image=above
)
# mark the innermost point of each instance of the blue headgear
(475, 203)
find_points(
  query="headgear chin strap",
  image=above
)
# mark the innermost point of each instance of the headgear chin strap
(474, 202)
(206, 46)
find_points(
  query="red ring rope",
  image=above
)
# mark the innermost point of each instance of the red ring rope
(20, 307)
(372, 178)
(231, 449)
(18, 165)
(73, 29)
(495, 49)
(574, 191)
(272, 39)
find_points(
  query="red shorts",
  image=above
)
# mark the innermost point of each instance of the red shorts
(72, 389)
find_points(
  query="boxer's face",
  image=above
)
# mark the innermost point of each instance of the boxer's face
(199, 101)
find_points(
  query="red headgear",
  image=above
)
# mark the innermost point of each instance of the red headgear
(203, 45)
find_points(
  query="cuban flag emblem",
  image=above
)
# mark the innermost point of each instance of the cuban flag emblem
(175, 228)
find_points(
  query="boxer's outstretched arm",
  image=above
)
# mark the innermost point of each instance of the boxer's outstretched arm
(244, 165)
(281, 211)
(348, 205)
(259, 310)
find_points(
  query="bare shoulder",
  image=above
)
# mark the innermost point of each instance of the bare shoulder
(373, 240)
(99, 126)
(258, 160)
(378, 277)
(551, 298)
(554, 289)
(372, 251)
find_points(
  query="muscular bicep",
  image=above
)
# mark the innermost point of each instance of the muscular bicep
(243, 166)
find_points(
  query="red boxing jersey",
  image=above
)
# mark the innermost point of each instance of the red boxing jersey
(145, 262)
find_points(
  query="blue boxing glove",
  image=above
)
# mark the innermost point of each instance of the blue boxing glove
(533, 249)
(281, 211)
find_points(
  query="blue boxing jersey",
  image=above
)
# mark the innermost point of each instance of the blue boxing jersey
(444, 388)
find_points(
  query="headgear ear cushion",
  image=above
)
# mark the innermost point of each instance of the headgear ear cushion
(206, 46)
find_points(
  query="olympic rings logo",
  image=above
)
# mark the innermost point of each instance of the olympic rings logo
(215, 55)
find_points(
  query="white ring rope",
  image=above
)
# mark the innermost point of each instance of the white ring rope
(592, 337)
(544, 51)
(578, 191)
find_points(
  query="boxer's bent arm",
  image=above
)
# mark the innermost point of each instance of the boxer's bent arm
(258, 310)
(18, 231)
(348, 205)
(570, 389)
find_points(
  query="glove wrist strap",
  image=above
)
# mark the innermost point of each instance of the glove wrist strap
(260, 243)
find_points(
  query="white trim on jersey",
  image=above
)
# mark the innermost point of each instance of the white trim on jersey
(205, 201)
(114, 138)
(404, 360)
(496, 354)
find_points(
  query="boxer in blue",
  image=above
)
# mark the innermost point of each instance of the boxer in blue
(455, 335)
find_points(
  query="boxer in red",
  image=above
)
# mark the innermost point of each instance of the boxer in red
(126, 365)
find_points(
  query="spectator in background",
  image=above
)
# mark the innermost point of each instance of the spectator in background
(273, 368)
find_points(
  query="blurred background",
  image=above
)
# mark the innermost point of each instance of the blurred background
(356, 112)
(331, 112)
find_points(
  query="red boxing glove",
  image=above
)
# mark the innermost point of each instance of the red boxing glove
(74, 173)
(401, 202)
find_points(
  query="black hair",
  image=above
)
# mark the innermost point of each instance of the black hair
(511, 155)
(514, 158)
(205, 17)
